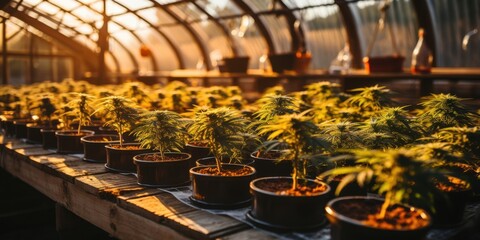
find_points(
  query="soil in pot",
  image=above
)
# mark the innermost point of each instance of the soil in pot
(450, 202)
(228, 189)
(68, 141)
(278, 207)
(120, 158)
(267, 164)
(94, 147)
(211, 161)
(351, 217)
(155, 171)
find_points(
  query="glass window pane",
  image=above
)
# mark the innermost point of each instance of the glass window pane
(66, 5)
(122, 56)
(156, 16)
(218, 45)
(220, 8)
(134, 5)
(189, 49)
(42, 69)
(130, 21)
(187, 12)
(70, 20)
(63, 68)
(164, 56)
(278, 29)
(41, 46)
(18, 68)
(112, 8)
(20, 42)
(87, 14)
(400, 17)
(47, 8)
(454, 20)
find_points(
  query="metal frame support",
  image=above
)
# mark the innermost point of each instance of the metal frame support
(353, 34)
(4, 52)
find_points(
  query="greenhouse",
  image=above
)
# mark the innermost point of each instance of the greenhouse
(240, 119)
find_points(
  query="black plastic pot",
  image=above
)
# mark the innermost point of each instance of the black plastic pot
(68, 141)
(450, 206)
(234, 64)
(21, 128)
(33, 133)
(94, 147)
(285, 213)
(211, 161)
(196, 152)
(344, 227)
(121, 159)
(221, 192)
(267, 167)
(163, 173)
(9, 128)
(49, 140)
(282, 62)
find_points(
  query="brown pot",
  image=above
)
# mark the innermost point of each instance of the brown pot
(168, 173)
(221, 192)
(121, 159)
(68, 141)
(94, 147)
(384, 64)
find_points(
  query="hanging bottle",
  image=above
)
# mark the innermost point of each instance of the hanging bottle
(422, 57)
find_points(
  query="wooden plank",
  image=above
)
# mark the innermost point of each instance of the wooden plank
(196, 223)
(250, 234)
(33, 151)
(108, 185)
(17, 144)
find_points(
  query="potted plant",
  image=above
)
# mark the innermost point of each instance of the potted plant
(163, 131)
(77, 110)
(121, 114)
(291, 203)
(45, 110)
(397, 176)
(221, 129)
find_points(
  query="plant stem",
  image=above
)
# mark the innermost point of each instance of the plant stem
(385, 205)
(120, 137)
(79, 127)
(295, 170)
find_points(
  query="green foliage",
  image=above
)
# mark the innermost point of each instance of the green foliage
(160, 130)
(121, 113)
(80, 108)
(395, 173)
(445, 110)
(369, 100)
(274, 105)
(222, 129)
(343, 135)
(46, 108)
(464, 141)
(300, 137)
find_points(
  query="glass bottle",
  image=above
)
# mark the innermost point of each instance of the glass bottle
(341, 64)
(422, 57)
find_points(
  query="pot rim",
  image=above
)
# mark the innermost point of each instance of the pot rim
(109, 146)
(188, 156)
(210, 157)
(257, 189)
(86, 138)
(192, 170)
(61, 132)
(329, 209)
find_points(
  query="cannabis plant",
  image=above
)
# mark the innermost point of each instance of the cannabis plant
(46, 108)
(300, 138)
(273, 105)
(369, 100)
(163, 131)
(445, 110)
(222, 129)
(342, 135)
(80, 109)
(395, 173)
(464, 141)
(121, 113)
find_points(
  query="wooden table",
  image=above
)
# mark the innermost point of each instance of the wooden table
(355, 78)
(115, 203)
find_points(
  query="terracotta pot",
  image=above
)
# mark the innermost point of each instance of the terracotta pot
(211, 161)
(68, 141)
(234, 64)
(286, 213)
(94, 147)
(49, 140)
(163, 173)
(221, 192)
(121, 159)
(267, 167)
(196, 152)
(344, 227)
(384, 64)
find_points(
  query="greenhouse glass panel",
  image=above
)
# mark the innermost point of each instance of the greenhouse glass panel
(19, 42)
(156, 16)
(189, 49)
(454, 22)
(164, 56)
(63, 68)
(66, 5)
(70, 20)
(12, 28)
(188, 12)
(86, 41)
(111, 62)
(218, 45)
(130, 21)
(48, 22)
(278, 27)
(47, 8)
(400, 17)
(220, 8)
(135, 5)
(29, 2)
(41, 46)
(87, 15)
(124, 60)
(112, 8)
(42, 69)
(18, 69)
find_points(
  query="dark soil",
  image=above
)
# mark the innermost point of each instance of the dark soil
(397, 217)
(158, 157)
(225, 172)
(102, 139)
(283, 187)
(453, 185)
